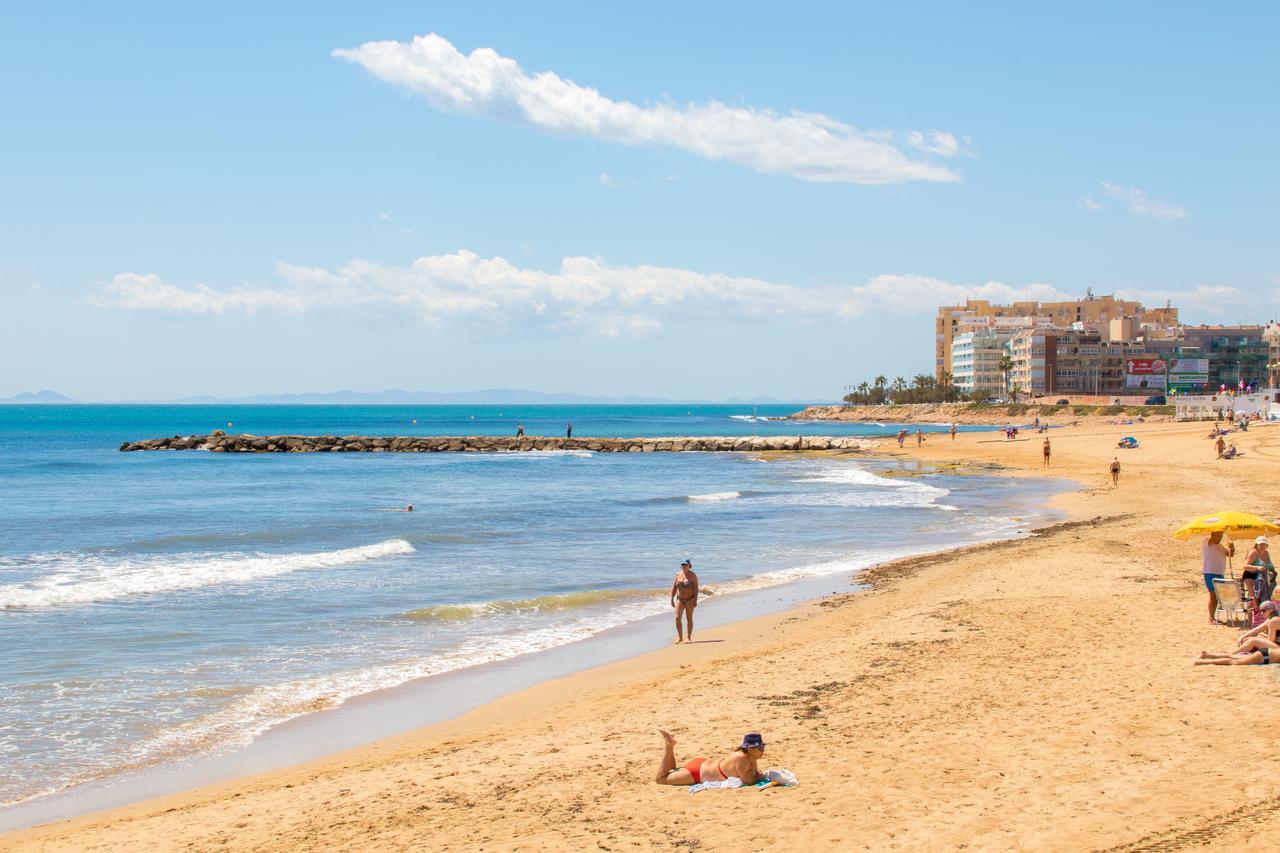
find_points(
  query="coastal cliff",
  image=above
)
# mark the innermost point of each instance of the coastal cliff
(220, 442)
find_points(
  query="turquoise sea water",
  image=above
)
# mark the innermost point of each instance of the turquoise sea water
(156, 606)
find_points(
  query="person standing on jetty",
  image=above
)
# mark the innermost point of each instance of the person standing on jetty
(684, 598)
(519, 430)
(568, 432)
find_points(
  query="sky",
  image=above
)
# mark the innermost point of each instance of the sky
(677, 200)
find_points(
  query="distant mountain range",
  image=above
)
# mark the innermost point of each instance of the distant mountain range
(397, 397)
(45, 396)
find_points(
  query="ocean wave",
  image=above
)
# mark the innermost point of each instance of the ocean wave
(714, 497)
(539, 604)
(85, 579)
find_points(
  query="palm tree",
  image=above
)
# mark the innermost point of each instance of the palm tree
(946, 383)
(865, 390)
(879, 389)
(1006, 367)
(899, 385)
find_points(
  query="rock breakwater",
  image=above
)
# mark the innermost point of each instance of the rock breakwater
(220, 442)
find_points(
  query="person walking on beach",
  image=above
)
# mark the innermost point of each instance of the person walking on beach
(742, 763)
(1221, 446)
(568, 432)
(519, 430)
(684, 598)
(953, 432)
(1115, 471)
(902, 436)
(1046, 453)
(1213, 564)
(919, 436)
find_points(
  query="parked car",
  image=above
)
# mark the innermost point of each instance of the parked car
(1155, 400)
(994, 401)
(1063, 402)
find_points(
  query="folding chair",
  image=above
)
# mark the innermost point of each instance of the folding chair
(1231, 601)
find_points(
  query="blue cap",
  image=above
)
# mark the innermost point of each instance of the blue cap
(752, 740)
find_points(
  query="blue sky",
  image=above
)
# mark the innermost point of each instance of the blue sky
(753, 199)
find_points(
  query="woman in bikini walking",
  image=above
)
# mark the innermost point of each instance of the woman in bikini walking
(684, 597)
(742, 763)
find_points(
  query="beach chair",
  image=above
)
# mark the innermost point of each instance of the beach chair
(1231, 603)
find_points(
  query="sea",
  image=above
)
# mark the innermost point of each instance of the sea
(160, 607)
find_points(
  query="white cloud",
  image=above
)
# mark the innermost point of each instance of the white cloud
(584, 294)
(935, 142)
(607, 180)
(385, 217)
(1138, 202)
(1216, 300)
(1091, 204)
(809, 146)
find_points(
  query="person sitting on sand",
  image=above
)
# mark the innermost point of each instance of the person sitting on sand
(1255, 650)
(743, 763)
(684, 598)
(1230, 452)
(1268, 630)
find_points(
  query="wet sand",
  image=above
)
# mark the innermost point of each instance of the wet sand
(1029, 694)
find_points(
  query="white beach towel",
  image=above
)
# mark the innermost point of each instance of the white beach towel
(731, 782)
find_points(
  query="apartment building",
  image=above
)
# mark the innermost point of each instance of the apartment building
(1236, 353)
(975, 360)
(1048, 362)
(1092, 312)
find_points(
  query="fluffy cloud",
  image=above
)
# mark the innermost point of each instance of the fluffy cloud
(809, 146)
(1138, 202)
(1214, 300)
(583, 295)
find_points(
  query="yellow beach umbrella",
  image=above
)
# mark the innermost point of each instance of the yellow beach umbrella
(1237, 525)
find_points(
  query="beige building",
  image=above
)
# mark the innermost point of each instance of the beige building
(1049, 362)
(1092, 312)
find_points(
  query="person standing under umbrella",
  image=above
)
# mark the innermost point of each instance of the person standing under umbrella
(1213, 564)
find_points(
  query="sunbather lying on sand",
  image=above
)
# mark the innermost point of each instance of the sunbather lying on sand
(1252, 651)
(742, 763)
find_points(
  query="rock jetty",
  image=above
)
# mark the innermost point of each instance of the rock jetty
(219, 442)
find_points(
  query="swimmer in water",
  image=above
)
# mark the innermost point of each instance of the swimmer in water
(409, 508)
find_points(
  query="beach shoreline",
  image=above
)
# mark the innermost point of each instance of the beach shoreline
(997, 669)
(395, 710)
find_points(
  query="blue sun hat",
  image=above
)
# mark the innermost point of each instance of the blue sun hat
(752, 740)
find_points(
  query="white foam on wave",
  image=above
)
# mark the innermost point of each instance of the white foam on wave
(869, 489)
(84, 579)
(714, 497)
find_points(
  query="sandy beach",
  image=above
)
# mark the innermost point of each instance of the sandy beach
(1035, 694)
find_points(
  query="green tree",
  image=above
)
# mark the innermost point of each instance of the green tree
(1006, 367)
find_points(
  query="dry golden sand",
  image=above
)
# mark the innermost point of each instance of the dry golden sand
(1027, 695)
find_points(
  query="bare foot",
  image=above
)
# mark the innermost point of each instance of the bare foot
(668, 737)
(679, 640)
(1203, 655)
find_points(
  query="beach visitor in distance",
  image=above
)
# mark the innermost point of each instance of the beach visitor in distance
(519, 430)
(1213, 564)
(919, 436)
(1115, 471)
(684, 598)
(742, 763)
(953, 432)
(568, 430)
(1046, 453)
